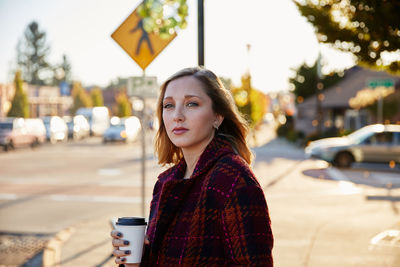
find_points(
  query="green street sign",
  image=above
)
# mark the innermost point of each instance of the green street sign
(373, 83)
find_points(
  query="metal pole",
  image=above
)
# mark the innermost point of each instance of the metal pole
(380, 110)
(319, 115)
(200, 25)
(143, 124)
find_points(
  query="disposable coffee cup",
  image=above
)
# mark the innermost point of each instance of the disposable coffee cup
(133, 230)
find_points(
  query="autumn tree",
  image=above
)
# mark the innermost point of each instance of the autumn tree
(123, 105)
(164, 17)
(32, 53)
(81, 98)
(370, 30)
(97, 97)
(250, 102)
(227, 82)
(19, 104)
(305, 81)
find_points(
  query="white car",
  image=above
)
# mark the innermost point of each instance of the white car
(78, 127)
(56, 129)
(35, 126)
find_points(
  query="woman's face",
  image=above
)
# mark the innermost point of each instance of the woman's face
(188, 115)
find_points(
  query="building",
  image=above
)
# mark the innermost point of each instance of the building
(7, 92)
(43, 100)
(337, 112)
(46, 100)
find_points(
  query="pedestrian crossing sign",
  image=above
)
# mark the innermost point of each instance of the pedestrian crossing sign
(141, 46)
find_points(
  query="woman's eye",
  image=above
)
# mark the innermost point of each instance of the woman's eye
(168, 105)
(192, 104)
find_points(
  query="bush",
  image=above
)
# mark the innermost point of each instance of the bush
(288, 131)
(294, 135)
(282, 130)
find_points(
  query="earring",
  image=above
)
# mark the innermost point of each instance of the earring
(216, 126)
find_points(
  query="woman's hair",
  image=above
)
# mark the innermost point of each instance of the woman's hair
(234, 127)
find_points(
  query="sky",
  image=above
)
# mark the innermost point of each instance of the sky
(280, 39)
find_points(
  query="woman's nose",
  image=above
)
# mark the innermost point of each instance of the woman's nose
(178, 114)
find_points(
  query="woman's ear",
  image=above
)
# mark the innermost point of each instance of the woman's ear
(218, 120)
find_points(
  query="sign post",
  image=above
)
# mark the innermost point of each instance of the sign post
(143, 47)
(374, 83)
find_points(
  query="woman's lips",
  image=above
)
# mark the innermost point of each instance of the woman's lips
(179, 130)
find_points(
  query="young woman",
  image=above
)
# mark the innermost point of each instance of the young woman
(208, 209)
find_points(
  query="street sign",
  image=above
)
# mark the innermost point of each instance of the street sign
(373, 83)
(141, 46)
(144, 86)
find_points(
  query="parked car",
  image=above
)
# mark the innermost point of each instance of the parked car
(35, 126)
(78, 127)
(56, 129)
(126, 130)
(13, 134)
(372, 143)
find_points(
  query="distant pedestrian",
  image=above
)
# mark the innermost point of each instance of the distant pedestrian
(208, 209)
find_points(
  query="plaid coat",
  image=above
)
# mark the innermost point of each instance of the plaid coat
(218, 217)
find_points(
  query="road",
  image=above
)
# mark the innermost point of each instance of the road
(321, 216)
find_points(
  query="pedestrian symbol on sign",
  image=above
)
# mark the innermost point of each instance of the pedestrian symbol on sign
(141, 46)
(144, 37)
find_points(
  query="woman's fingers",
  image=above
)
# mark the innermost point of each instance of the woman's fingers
(116, 234)
(121, 253)
(120, 260)
(120, 243)
(123, 260)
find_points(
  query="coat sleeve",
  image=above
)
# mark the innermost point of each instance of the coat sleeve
(246, 228)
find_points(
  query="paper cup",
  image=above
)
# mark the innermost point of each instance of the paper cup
(133, 230)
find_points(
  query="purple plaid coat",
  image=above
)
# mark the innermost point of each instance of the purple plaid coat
(218, 217)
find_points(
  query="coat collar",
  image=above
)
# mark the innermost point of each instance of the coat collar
(218, 147)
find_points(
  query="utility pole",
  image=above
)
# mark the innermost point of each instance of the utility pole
(319, 95)
(200, 26)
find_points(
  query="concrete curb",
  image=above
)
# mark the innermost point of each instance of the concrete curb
(52, 251)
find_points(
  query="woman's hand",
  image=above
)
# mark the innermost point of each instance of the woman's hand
(117, 242)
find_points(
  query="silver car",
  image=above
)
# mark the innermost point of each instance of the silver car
(372, 143)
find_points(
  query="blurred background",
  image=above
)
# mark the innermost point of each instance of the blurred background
(318, 82)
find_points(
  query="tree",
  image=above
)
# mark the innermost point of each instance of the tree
(80, 96)
(66, 67)
(97, 97)
(62, 72)
(305, 81)
(227, 82)
(124, 106)
(250, 102)
(163, 17)
(32, 52)
(19, 104)
(368, 29)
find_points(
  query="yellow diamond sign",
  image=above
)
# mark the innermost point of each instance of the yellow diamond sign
(141, 46)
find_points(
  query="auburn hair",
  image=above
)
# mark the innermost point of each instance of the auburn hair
(234, 127)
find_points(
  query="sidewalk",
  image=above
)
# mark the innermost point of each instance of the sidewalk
(89, 243)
